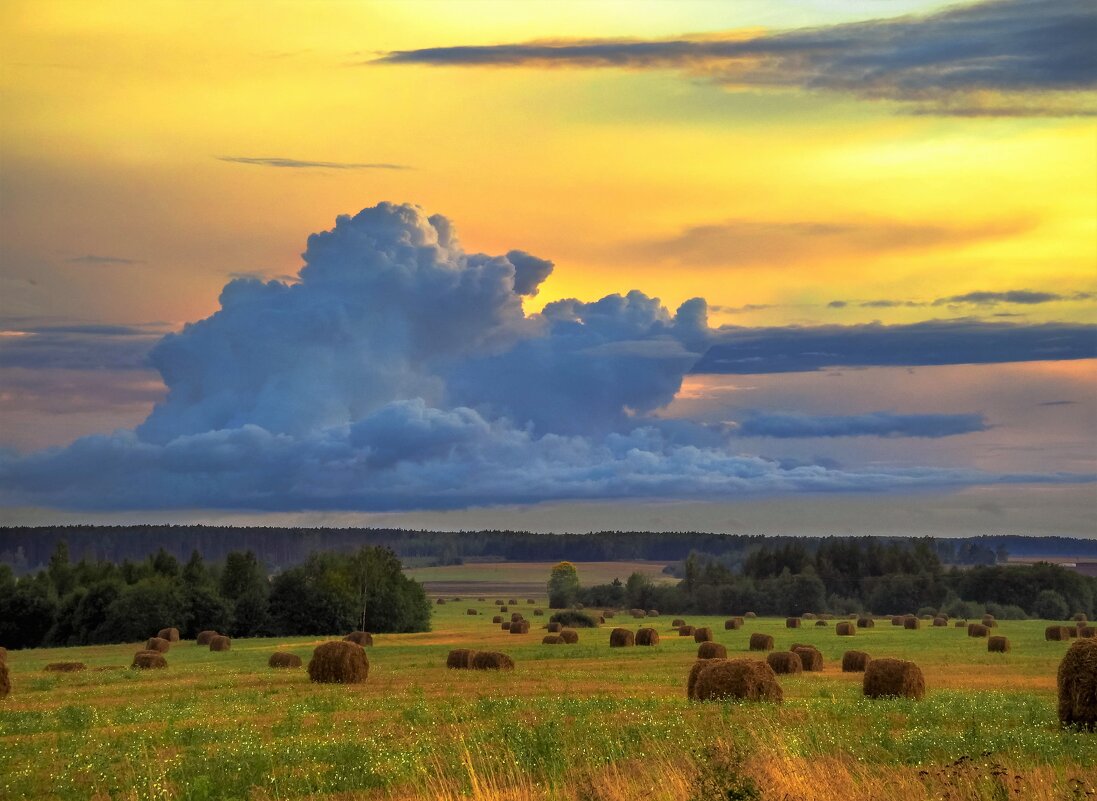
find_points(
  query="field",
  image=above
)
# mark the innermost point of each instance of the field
(525, 578)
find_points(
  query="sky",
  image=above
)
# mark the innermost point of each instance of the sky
(758, 266)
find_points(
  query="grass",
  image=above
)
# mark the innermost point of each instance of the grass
(580, 722)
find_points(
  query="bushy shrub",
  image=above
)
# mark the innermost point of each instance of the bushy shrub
(572, 618)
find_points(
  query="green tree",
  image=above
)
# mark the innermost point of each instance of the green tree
(563, 585)
(1050, 605)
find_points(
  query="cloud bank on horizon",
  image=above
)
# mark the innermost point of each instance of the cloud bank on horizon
(400, 372)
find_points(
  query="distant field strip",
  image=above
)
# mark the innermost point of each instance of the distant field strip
(525, 578)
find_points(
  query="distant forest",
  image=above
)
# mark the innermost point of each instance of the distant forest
(27, 549)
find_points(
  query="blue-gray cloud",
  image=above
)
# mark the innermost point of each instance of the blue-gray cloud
(301, 164)
(81, 347)
(788, 425)
(1025, 297)
(96, 260)
(946, 62)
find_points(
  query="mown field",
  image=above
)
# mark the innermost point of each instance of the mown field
(581, 722)
(479, 578)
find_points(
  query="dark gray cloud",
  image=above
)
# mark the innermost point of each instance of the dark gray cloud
(79, 346)
(1021, 296)
(1020, 53)
(529, 271)
(93, 259)
(300, 164)
(786, 425)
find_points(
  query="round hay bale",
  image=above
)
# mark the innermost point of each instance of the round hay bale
(893, 678)
(148, 660)
(751, 615)
(811, 657)
(519, 627)
(960, 624)
(1087, 631)
(552, 639)
(607, 615)
(516, 616)
(896, 620)
(3, 654)
(912, 623)
(204, 637)
(809, 616)
(685, 631)
(492, 660)
(925, 617)
(504, 608)
(647, 636)
(653, 613)
(481, 599)
(171, 634)
(638, 613)
(940, 621)
(784, 662)
(865, 623)
(440, 601)
(845, 629)
(554, 626)
(65, 667)
(530, 601)
(497, 619)
(702, 634)
(855, 661)
(821, 622)
(158, 644)
(621, 638)
(761, 642)
(677, 622)
(733, 623)
(792, 622)
(990, 622)
(512, 601)
(471, 612)
(977, 630)
(694, 672)
(339, 662)
(220, 643)
(1077, 682)
(998, 644)
(1073, 632)
(1056, 633)
(460, 659)
(711, 650)
(5, 680)
(505, 625)
(538, 612)
(284, 659)
(569, 636)
(741, 679)
(498, 602)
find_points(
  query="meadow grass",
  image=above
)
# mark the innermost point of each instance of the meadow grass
(580, 722)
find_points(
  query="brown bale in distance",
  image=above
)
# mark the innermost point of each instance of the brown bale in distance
(940, 621)
(998, 644)
(677, 622)
(810, 656)
(792, 623)
(845, 629)
(505, 625)
(855, 661)
(481, 599)
(977, 630)
(362, 638)
(685, 631)
(732, 624)
(538, 612)
(512, 601)
(220, 643)
(896, 620)
(653, 613)
(460, 658)
(158, 644)
(554, 626)
(3, 654)
(552, 639)
(498, 602)
(5, 680)
(865, 623)
(284, 659)
(784, 662)
(821, 622)
(990, 622)
(339, 662)
(569, 636)
(743, 679)
(492, 660)
(171, 634)
(711, 650)
(515, 616)
(65, 667)
(148, 659)
(607, 615)
(912, 623)
(1056, 633)
(960, 624)
(519, 627)
(504, 608)
(809, 616)
(621, 638)
(1073, 632)
(702, 634)
(440, 601)
(471, 612)
(638, 613)
(1087, 631)
(497, 619)
(530, 601)
(751, 614)
(893, 677)
(1077, 683)
(204, 637)
(647, 636)
(761, 642)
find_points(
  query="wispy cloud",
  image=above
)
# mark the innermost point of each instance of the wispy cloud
(1024, 297)
(94, 259)
(302, 164)
(788, 425)
(1005, 58)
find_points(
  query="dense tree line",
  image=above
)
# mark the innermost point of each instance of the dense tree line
(89, 602)
(28, 549)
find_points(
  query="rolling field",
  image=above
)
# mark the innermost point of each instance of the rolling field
(526, 578)
(581, 722)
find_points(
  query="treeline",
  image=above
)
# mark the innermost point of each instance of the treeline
(90, 602)
(848, 575)
(28, 549)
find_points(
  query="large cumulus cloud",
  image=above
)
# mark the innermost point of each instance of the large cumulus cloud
(400, 372)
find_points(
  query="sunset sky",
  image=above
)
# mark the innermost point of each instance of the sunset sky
(889, 209)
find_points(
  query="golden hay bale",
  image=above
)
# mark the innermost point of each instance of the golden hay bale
(1087, 631)
(810, 656)
(1056, 633)
(865, 623)
(809, 616)
(677, 622)
(497, 619)
(554, 626)
(492, 660)
(471, 612)
(732, 624)
(5, 680)
(158, 644)
(855, 661)
(694, 672)
(65, 667)
(821, 622)
(940, 621)
(498, 602)
(339, 662)
(751, 614)
(647, 637)
(519, 627)
(989, 621)
(685, 631)
(220, 643)
(460, 658)
(977, 630)
(362, 638)
(998, 644)
(284, 659)
(505, 625)
(170, 634)
(702, 634)
(638, 613)
(896, 620)
(552, 639)
(893, 678)
(204, 637)
(761, 642)
(570, 636)
(960, 624)
(845, 629)
(743, 679)
(912, 623)
(711, 650)
(792, 623)
(515, 617)
(1077, 680)
(621, 638)
(512, 601)
(538, 612)
(148, 659)
(784, 662)
(504, 608)
(653, 613)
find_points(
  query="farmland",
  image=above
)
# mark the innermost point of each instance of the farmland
(572, 722)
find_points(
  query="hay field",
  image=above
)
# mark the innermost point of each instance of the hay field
(526, 578)
(582, 722)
